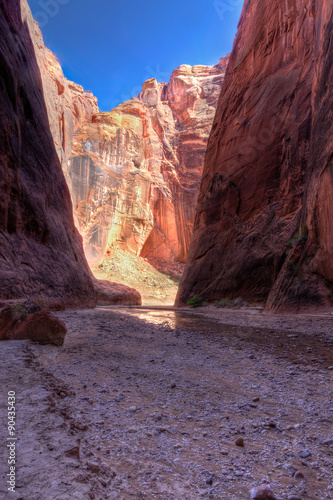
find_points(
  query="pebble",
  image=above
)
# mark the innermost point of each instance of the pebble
(305, 454)
(93, 467)
(240, 442)
(299, 475)
(132, 409)
(263, 492)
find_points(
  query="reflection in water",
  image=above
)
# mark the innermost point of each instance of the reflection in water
(170, 318)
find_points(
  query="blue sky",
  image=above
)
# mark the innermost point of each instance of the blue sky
(112, 46)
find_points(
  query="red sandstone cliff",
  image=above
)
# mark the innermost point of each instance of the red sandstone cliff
(68, 105)
(263, 226)
(136, 171)
(41, 252)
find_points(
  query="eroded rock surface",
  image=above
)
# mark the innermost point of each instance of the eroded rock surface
(41, 251)
(136, 171)
(42, 326)
(264, 217)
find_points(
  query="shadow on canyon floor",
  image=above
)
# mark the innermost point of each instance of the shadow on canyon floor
(149, 404)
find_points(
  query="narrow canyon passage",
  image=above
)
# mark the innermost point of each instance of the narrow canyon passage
(149, 404)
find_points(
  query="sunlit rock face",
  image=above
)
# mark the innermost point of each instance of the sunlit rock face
(41, 251)
(135, 171)
(68, 105)
(263, 226)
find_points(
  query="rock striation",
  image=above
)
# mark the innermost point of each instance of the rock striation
(41, 252)
(264, 220)
(67, 104)
(135, 171)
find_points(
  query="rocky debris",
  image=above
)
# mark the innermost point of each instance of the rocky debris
(113, 293)
(48, 443)
(305, 454)
(263, 492)
(155, 287)
(240, 442)
(135, 436)
(21, 322)
(264, 222)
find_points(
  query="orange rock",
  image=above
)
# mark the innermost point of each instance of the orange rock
(135, 171)
(41, 252)
(115, 293)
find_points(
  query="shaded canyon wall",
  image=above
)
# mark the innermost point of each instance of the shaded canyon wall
(263, 227)
(41, 252)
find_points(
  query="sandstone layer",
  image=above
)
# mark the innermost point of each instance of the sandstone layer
(263, 226)
(67, 104)
(135, 171)
(41, 252)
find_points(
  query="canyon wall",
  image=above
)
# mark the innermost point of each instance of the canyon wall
(67, 104)
(136, 170)
(263, 227)
(41, 252)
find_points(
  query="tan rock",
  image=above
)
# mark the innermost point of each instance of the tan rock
(115, 293)
(136, 171)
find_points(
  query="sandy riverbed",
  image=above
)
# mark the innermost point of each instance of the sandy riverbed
(150, 403)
